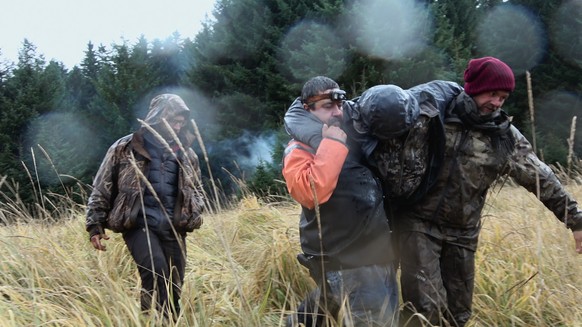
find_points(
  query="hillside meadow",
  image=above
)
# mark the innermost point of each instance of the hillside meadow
(242, 270)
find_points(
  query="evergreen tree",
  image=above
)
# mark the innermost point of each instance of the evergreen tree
(168, 61)
(33, 91)
(21, 104)
(81, 82)
(248, 64)
(123, 85)
(91, 64)
(555, 81)
(237, 59)
(398, 43)
(455, 23)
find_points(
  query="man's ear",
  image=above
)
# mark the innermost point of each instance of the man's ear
(305, 106)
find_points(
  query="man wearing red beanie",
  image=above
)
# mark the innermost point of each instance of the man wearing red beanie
(488, 74)
(438, 235)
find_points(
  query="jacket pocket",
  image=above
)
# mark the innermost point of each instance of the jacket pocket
(191, 213)
(131, 212)
(120, 218)
(116, 215)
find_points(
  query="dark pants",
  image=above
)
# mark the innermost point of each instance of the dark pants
(161, 268)
(368, 296)
(314, 310)
(437, 279)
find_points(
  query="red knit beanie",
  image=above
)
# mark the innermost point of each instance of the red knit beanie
(488, 74)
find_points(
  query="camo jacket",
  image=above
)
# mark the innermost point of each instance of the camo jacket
(471, 166)
(401, 162)
(409, 163)
(118, 186)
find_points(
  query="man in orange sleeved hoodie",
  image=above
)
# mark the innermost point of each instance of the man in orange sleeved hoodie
(345, 236)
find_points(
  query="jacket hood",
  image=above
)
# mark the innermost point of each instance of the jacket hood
(386, 111)
(168, 106)
(302, 125)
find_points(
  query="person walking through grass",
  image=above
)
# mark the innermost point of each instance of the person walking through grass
(344, 232)
(438, 235)
(148, 188)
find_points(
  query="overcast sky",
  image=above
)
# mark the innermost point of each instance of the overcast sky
(61, 29)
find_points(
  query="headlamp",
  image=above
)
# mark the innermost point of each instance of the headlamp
(336, 95)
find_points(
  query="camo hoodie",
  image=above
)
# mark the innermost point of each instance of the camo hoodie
(406, 142)
(119, 184)
(477, 154)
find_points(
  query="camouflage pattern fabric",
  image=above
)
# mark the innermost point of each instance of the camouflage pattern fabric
(120, 181)
(472, 165)
(427, 284)
(438, 236)
(402, 161)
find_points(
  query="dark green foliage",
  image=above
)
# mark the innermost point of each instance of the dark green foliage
(241, 54)
(552, 148)
(242, 71)
(426, 66)
(565, 24)
(167, 62)
(312, 49)
(233, 160)
(556, 73)
(34, 89)
(554, 113)
(267, 180)
(62, 145)
(454, 33)
(514, 35)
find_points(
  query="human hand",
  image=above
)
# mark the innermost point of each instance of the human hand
(333, 132)
(96, 241)
(578, 239)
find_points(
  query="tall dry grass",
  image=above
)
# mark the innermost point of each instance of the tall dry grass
(242, 271)
(241, 268)
(528, 270)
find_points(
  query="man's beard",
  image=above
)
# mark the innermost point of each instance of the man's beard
(334, 121)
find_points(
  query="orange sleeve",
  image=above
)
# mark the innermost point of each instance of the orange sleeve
(300, 167)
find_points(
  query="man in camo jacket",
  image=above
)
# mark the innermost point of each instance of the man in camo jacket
(148, 188)
(438, 234)
(438, 149)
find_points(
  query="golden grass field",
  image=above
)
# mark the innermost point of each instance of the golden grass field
(242, 270)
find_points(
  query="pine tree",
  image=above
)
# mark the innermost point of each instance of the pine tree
(33, 91)
(555, 79)
(237, 59)
(168, 62)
